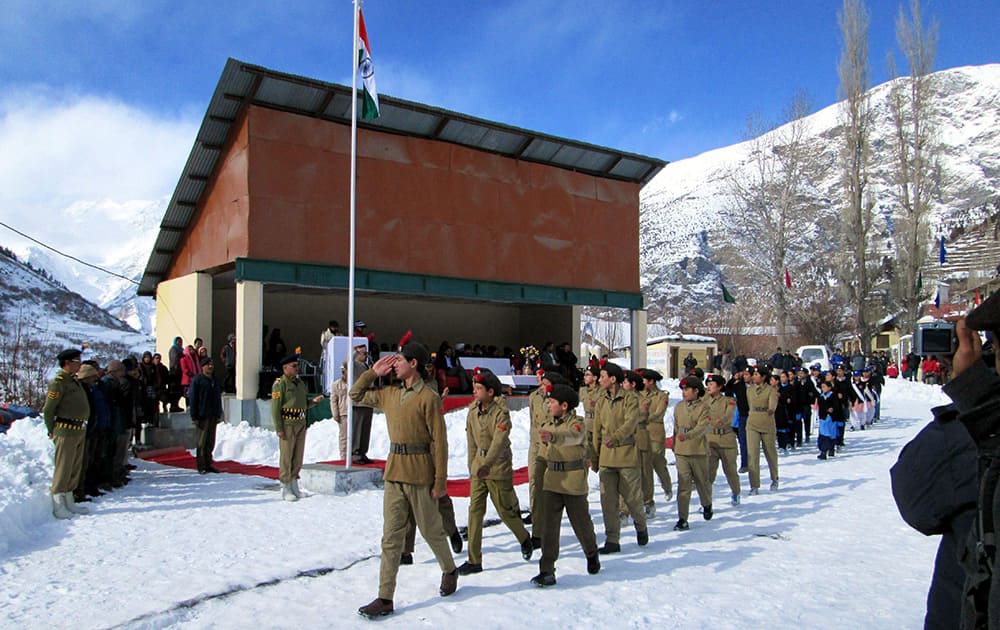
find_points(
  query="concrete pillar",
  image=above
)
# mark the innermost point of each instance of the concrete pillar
(249, 337)
(577, 317)
(638, 339)
(184, 309)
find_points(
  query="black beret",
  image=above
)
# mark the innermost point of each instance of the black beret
(68, 355)
(292, 358)
(718, 379)
(594, 369)
(554, 378)
(695, 383)
(636, 379)
(416, 350)
(489, 380)
(564, 394)
(651, 375)
(614, 371)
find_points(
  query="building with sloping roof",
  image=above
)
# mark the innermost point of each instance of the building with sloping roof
(467, 229)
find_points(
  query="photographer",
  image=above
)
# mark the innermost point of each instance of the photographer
(946, 480)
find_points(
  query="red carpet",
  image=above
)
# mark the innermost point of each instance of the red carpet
(179, 457)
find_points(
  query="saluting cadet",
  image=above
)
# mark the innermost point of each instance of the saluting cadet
(761, 430)
(722, 443)
(617, 459)
(691, 450)
(491, 470)
(65, 412)
(416, 472)
(289, 404)
(656, 402)
(565, 485)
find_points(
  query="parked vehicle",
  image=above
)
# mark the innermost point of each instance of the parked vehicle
(811, 355)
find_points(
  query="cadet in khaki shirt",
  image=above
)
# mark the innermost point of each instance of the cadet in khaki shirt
(722, 443)
(634, 384)
(416, 472)
(589, 393)
(289, 404)
(563, 438)
(66, 412)
(536, 464)
(656, 402)
(617, 459)
(691, 450)
(761, 431)
(491, 470)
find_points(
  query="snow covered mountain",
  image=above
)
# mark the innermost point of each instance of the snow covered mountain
(681, 208)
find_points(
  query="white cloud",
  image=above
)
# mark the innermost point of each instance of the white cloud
(74, 167)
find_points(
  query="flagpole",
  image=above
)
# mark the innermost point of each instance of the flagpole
(350, 265)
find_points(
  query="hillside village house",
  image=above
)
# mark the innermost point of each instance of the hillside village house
(467, 230)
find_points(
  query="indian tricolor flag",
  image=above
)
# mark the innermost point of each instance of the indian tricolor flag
(366, 69)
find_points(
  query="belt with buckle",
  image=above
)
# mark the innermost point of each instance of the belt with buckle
(409, 449)
(578, 464)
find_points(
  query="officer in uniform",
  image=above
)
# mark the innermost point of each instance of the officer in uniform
(691, 451)
(761, 430)
(617, 459)
(416, 472)
(722, 443)
(539, 412)
(66, 411)
(491, 470)
(563, 439)
(289, 404)
(656, 401)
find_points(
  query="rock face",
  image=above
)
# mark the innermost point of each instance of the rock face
(682, 207)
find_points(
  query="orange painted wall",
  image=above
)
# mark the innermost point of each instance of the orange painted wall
(219, 231)
(423, 207)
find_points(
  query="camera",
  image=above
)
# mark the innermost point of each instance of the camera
(936, 338)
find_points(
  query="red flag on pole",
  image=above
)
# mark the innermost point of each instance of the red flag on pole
(788, 279)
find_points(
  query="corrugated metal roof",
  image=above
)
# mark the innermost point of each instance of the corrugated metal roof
(243, 84)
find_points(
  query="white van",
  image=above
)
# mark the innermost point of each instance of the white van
(811, 355)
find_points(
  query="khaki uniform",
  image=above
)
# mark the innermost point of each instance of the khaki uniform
(488, 434)
(615, 419)
(722, 443)
(289, 403)
(656, 402)
(566, 487)
(691, 421)
(417, 465)
(588, 398)
(339, 409)
(539, 411)
(644, 454)
(763, 400)
(65, 412)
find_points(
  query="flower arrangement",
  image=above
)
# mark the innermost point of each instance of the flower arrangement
(529, 351)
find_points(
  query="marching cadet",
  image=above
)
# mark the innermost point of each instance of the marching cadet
(491, 469)
(691, 450)
(656, 402)
(289, 405)
(416, 472)
(616, 457)
(65, 412)
(589, 393)
(565, 485)
(536, 465)
(634, 384)
(761, 430)
(722, 446)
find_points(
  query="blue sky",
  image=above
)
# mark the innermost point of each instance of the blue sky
(92, 85)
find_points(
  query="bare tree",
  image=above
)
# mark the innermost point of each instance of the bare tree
(26, 353)
(915, 172)
(770, 212)
(858, 272)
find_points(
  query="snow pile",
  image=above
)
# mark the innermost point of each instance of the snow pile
(25, 475)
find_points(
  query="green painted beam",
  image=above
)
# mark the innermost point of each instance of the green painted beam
(336, 277)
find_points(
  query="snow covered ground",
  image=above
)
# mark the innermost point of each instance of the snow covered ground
(175, 549)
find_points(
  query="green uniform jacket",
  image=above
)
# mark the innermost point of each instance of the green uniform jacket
(691, 420)
(413, 416)
(763, 400)
(66, 399)
(721, 408)
(488, 433)
(539, 412)
(569, 444)
(615, 419)
(292, 397)
(588, 397)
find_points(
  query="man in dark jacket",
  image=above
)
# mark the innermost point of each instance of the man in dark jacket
(206, 411)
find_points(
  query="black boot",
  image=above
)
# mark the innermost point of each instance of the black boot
(456, 542)
(405, 558)
(527, 548)
(610, 547)
(468, 568)
(706, 511)
(544, 579)
(593, 564)
(642, 537)
(682, 525)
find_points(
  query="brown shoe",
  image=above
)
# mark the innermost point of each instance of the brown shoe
(449, 583)
(378, 608)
